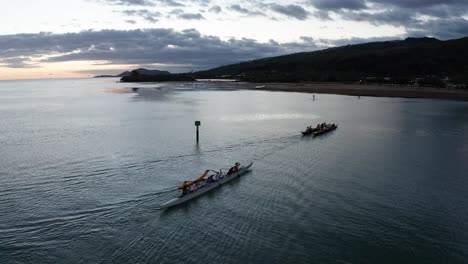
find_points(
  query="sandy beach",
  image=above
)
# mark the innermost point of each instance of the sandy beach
(366, 90)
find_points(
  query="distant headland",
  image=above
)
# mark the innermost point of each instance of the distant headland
(140, 71)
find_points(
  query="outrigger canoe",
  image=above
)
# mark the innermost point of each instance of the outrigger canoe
(223, 178)
(325, 130)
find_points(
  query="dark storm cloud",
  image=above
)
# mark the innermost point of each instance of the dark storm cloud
(128, 2)
(176, 11)
(322, 15)
(169, 3)
(418, 3)
(389, 17)
(190, 16)
(215, 9)
(338, 4)
(181, 14)
(165, 46)
(174, 3)
(410, 15)
(447, 16)
(245, 11)
(147, 15)
(294, 11)
(444, 29)
(383, 4)
(434, 8)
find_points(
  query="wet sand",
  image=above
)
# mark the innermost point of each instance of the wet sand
(366, 90)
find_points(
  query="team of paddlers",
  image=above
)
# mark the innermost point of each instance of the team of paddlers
(319, 127)
(192, 186)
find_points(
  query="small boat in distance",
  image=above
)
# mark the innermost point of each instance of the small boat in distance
(327, 128)
(202, 185)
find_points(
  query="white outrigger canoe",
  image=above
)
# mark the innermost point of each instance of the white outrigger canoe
(207, 187)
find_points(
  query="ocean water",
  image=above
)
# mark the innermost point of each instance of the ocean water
(85, 164)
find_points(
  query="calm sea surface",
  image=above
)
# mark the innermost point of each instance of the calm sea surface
(85, 164)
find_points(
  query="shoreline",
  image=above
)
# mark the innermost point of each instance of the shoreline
(365, 90)
(370, 90)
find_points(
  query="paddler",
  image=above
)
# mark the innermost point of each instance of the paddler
(233, 169)
(184, 191)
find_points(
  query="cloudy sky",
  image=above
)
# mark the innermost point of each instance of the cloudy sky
(80, 38)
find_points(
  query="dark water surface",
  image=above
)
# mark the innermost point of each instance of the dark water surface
(84, 165)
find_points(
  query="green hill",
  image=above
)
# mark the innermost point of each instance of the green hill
(400, 60)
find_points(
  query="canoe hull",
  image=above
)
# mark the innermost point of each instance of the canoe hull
(310, 132)
(208, 187)
(326, 130)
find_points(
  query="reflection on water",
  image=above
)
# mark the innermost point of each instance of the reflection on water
(117, 90)
(153, 94)
(265, 117)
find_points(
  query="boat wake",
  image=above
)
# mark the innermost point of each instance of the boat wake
(166, 190)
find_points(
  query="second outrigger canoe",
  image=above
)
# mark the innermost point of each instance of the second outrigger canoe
(328, 128)
(223, 178)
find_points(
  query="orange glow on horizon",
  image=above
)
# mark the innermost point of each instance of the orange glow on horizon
(72, 69)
